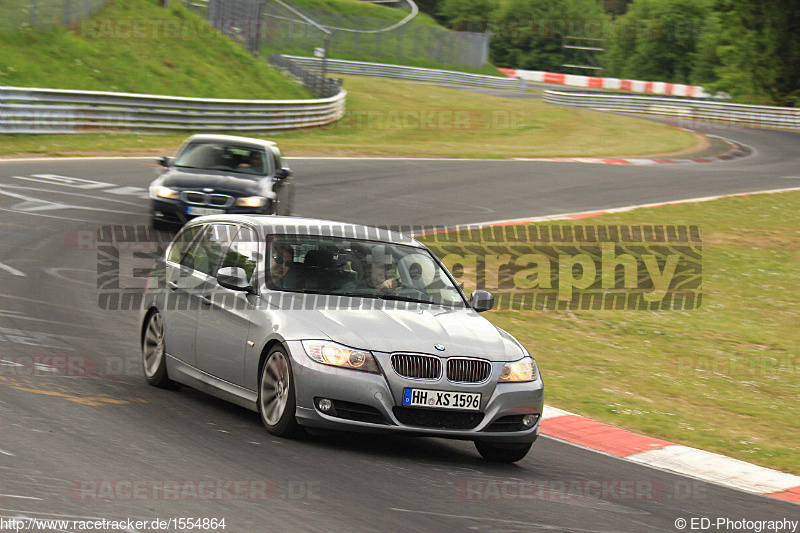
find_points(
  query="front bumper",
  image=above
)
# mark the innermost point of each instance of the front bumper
(380, 395)
(174, 211)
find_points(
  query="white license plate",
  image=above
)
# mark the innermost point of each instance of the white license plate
(199, 211)
(467, 401)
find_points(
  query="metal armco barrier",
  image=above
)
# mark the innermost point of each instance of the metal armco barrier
(28, 110)
(684, 108)
(381, 70)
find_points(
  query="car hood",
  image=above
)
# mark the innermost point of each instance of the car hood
(460, 331)
(220, 182)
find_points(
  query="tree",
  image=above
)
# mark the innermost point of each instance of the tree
(529, 33)
(758, 51)
(657, 40)
(467, 15)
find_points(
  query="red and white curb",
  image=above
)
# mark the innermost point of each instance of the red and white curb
(664, 455)
(736, 150)
(637, 86)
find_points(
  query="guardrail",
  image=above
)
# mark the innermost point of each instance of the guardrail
(684, 108)
(319, 86)
(29, 110)
(382, 70)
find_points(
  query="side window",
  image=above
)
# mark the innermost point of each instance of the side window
(181, 244)
(207, 254)
(243, 252)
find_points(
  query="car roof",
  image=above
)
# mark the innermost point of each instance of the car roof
(277, 225)
(231, 139)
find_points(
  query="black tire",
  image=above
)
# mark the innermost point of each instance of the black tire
(154, 361)
(503, 453)
(276, 395)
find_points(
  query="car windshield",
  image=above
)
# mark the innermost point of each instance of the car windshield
(359, 268)
(218, 156)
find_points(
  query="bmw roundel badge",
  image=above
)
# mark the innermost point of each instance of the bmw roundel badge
(439, 347)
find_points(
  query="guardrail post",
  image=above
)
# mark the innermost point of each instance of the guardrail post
(67, 12)
(33, 13)
(400, 32)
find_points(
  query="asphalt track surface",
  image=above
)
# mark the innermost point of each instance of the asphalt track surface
(74, 443)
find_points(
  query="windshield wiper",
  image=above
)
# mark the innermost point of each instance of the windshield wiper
(390, 296)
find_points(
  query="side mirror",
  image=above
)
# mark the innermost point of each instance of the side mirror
(481, 300)
(165, 161)
(233, 278)
(282, 173)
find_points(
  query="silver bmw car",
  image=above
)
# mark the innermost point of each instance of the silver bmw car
(322, 324)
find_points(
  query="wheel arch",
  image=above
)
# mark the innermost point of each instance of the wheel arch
(265, 352)
(153, 309)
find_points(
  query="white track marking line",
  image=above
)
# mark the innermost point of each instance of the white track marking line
(612, 210)
(47, 205)
(12, 270)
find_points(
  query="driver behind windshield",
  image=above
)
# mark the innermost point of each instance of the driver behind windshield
(253, 163)
(376, 272)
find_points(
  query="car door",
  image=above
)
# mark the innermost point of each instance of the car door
(192, 285)
(223, 325)
(180, 321)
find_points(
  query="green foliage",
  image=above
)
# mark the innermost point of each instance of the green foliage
(748, 48)
(657, 41)
(529, 33)
(467, 15)
(616, 7)
(430, 7)
(758, 49)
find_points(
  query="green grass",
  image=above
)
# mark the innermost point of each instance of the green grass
(341, 12)
(725, 377)
(173, 53)
(394, 118)
(402, 118)
(422, 42)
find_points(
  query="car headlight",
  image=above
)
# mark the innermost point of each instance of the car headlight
(251, 201)
(330, 353)
(523, 370)
(164, 192)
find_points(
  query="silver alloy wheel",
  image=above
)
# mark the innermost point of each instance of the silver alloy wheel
(153, 346)
(274, 388)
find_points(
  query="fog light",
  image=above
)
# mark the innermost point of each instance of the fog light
(529, 420)
(324, 405)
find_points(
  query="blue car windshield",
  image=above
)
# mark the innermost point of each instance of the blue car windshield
(359, 268)
(217, 156)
